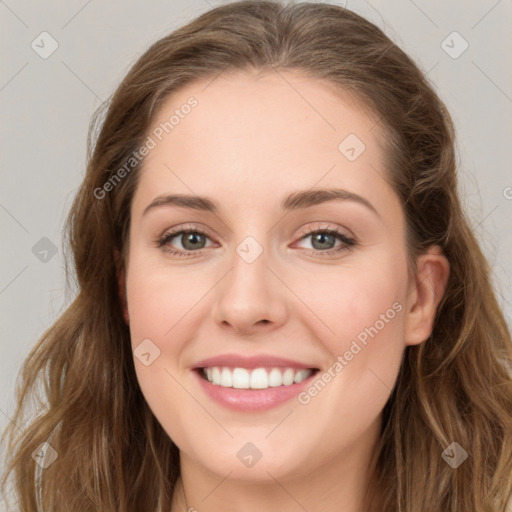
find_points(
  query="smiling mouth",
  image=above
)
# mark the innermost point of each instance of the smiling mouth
(257, 378)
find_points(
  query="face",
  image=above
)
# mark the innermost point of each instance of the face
(267, 268)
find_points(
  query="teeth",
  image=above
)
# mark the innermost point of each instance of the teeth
(225, 378)
(239, 378)
(288, 376)
(301, 375)
(275, 378)
(259, 378)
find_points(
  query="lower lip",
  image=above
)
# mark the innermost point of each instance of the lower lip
(252, 399)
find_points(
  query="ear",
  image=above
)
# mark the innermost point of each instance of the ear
(425, 293)
(121, 285)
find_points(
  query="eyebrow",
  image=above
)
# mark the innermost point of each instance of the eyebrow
(295, 201)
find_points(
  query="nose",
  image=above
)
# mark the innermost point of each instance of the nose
(250, 299)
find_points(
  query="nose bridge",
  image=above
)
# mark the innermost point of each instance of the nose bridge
(248, 282)
(250, 294)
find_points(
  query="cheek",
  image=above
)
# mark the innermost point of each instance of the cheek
(365, 310)
(362, 327)
(159, 299)
(353, 302)
(160, 310)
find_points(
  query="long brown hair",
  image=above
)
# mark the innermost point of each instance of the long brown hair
(113, 455)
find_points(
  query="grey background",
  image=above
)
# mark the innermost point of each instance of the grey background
(46, 106)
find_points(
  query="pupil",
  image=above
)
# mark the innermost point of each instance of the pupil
(192, 237)
(321, 237)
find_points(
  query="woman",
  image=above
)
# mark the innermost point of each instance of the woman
(281, 304)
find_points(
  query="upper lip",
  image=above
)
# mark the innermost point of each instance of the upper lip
(250, 362)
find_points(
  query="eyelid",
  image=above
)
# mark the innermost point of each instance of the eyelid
(304, 231)
(186, 227)
(321, 226)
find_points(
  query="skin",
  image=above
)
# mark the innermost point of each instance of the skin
(251, 140)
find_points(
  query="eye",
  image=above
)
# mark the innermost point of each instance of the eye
(191, 240)
(324, 240)
(194, 239)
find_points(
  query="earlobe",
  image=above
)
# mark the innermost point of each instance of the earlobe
(121, 285)
(432, 272)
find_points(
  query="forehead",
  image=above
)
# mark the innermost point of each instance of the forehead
(264, 106)
(263, 133)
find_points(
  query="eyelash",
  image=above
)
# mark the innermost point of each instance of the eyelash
(347, 242)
